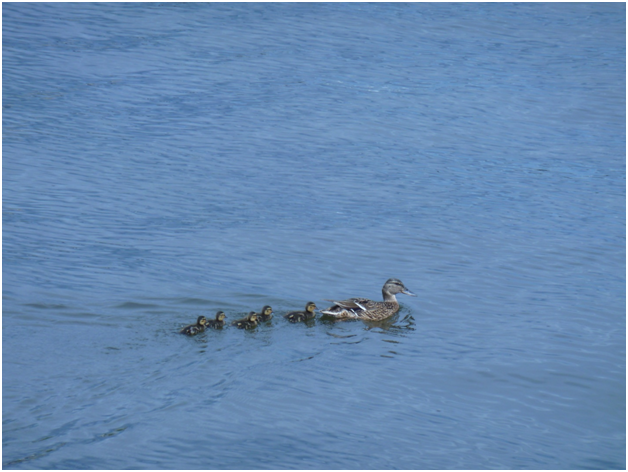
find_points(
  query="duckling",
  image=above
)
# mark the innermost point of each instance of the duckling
(297, 316)
(266, 314)
(248, 322)
(366, 309)
(193, 329)
(219, 322)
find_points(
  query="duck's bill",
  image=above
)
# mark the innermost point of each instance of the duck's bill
(408, 292)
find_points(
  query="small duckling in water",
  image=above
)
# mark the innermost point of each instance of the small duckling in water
(266, 314)
(297, 316)
(219, 322)
(248, 322)
(199, 327)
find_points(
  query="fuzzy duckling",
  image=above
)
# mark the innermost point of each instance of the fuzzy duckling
(193, 329)
(266, 314)
(297, 316)
(219, 322)
(248, 322)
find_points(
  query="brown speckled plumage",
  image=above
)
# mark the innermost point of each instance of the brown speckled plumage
(365, 309)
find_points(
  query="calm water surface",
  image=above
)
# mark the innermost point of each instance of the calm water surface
(162, 161)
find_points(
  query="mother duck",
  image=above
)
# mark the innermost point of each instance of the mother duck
(365, 309)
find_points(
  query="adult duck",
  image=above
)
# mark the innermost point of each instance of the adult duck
(365, 309)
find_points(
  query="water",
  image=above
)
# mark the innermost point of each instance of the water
(162, 161)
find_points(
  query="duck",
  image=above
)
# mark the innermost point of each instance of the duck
(248, 322)
(297, 316)
(365, 309)
(217, 323)
(266, 314)
(193, 329)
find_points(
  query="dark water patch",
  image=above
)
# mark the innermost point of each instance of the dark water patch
(34, 456)
(44, 306)
(194, 301)
(342, 336)
(135, 306)
(350, 342)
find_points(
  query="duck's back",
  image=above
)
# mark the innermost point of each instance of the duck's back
(298, 316)
(191, 330)
(362, 308)
(215, 324)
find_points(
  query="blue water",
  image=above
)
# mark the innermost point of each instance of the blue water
(163, 161)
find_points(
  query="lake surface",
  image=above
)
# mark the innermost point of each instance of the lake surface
(165, 161)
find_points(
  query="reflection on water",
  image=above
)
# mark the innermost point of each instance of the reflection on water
(394, 324)
(166, 161)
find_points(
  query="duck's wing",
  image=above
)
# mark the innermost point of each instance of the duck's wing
(353, 303)
(293, 316)
(351, 308)
(190, 330)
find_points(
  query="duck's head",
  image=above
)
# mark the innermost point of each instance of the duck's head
(310, 307)
(252, 316)
(201, 321)
(267, 310)
(220, 316)
(394, 286)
